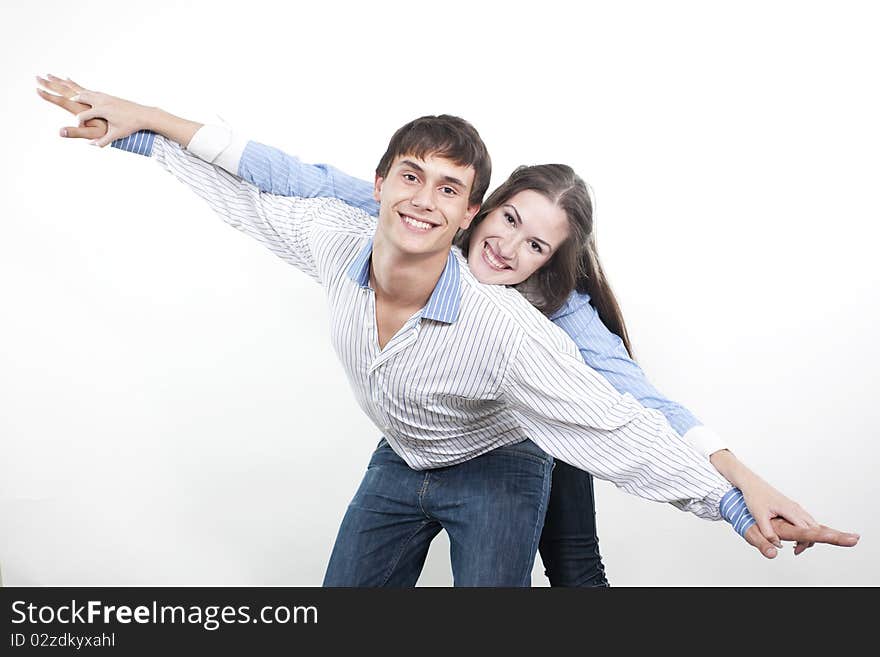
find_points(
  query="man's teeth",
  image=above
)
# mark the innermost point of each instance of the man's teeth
(416, 223)
(492, 260)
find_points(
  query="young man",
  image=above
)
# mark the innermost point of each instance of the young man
(453, 372)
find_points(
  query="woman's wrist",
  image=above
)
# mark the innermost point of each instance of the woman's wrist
(731, 468)
(166, 124)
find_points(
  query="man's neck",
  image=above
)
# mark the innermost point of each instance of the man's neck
(403, 280)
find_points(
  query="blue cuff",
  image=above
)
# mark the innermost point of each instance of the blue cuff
(140, 142)
(735, 511)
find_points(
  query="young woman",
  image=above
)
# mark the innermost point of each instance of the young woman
(551, 257)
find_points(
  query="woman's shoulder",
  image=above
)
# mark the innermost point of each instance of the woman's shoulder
(576, 303)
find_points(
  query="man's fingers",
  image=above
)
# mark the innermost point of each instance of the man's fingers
(802, 546)
(754, 537)
(95, 123)
(82, 132)
(821, 534)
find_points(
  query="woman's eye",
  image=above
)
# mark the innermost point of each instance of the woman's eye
(509, 219)
(536, 247)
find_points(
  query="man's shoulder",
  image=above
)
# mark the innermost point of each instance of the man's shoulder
(504, 307)
(336, 216)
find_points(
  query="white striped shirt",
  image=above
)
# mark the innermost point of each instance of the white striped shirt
(477, 368)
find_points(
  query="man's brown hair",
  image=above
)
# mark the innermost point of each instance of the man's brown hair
(444, 136)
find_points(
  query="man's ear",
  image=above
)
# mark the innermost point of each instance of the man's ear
(469, 216)
(377, 188)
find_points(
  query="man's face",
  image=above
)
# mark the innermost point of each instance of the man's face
(423, 203)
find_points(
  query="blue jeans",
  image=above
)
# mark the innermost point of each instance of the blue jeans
(569, 544)
(492, 507)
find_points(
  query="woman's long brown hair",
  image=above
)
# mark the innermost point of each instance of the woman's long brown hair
(575, 265)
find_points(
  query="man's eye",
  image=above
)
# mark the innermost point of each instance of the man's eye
(409, 177)
(449, 191)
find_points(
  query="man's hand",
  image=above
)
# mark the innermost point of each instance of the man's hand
(786, 531)
(64, 90)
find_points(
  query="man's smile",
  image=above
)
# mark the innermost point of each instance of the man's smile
(415, 223)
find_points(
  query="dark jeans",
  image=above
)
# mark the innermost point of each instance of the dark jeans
(492, 507)
(569, 544)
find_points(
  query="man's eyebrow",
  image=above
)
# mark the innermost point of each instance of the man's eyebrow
(452, 180)
(519, 219)
(412, 165)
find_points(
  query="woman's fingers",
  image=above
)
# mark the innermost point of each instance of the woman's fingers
(105, 140)
(755, 538)
(71, 106)
(766, 529)
(90, 113)
(74, 85)
(57, 85)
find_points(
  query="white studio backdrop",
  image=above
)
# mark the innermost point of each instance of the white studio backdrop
(171, 411)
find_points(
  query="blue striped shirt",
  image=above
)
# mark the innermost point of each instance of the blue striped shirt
(459, 383)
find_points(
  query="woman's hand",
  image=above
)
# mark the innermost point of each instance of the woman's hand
(63, 91)
(117, 117)
(765, 503)
(122, 117)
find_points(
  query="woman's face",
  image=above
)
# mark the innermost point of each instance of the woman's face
(516, 239)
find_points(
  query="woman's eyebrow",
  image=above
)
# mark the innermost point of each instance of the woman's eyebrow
(519, 219)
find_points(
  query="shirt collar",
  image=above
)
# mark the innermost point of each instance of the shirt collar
(445, 300)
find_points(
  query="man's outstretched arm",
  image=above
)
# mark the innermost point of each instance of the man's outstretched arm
(270, 169)
(286, 226)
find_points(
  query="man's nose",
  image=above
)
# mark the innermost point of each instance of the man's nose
(424, 198)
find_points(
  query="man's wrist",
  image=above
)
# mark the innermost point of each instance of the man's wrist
(734, 510)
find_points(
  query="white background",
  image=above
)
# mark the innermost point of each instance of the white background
(171, 411)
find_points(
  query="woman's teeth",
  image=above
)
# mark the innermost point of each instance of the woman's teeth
(491, 258)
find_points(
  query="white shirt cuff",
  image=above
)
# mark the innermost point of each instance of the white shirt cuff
(704, 440)
(218, 145)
